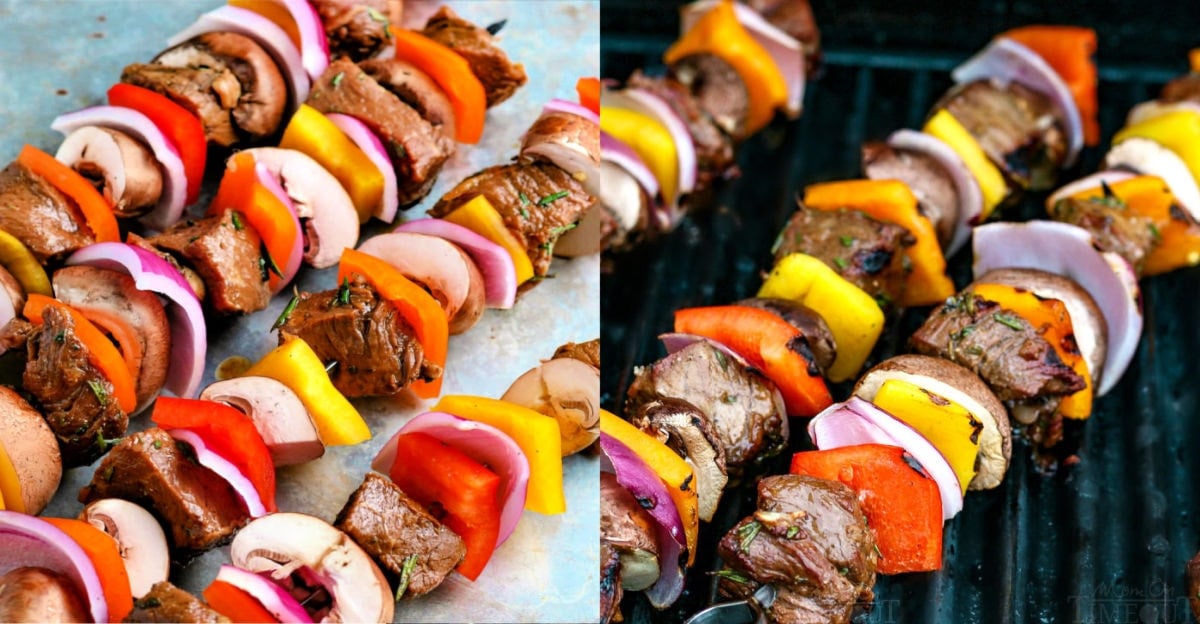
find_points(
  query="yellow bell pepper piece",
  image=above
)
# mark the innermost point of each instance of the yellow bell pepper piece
(536, 434)
(1053, 322)
(1178, 237)
(944, 126)
(892, 201)
(650, 140)
(312, 133)
(852, 315)
(19, 261)
(675, 473)
(295, 365)
(10, 484)
(1177, 130)
(479, 216)
(947, 425)
(720, 33)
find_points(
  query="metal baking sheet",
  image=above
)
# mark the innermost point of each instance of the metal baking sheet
(57, 56)
(1103, 541)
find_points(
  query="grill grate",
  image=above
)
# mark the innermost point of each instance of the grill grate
(1103, 541)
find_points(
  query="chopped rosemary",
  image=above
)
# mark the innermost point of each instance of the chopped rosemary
(1154, 232)
(550, 199)
(60, 337)
(100, 392)
(105, 443)
(236, 220)
(1008, 320)
(287, 310)
(747, 533)
(792, 532)
(524, 198)
(732, 575)
(729, 399)
(337, 80)
(524, 213)
(841, 263)
(846, 240)
(343, 293)
(270, 262)
(379, 18)
(559, 231)
(158, 444)
(495, 27)
(410, 562)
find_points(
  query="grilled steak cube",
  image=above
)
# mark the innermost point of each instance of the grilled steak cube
(1113, 226)
(41, 217)
(167, 603)
(74, 397)
(398, 532)
(1001, 347)
(371, 346)
(357, 28)
(929, 181)
(198, 508)
(868, 253)
(586, 352)
(226, 254)
(811, 539)
(1185, 88)
(538, 202)
(209, 92)
(417, 149)
(500, 77)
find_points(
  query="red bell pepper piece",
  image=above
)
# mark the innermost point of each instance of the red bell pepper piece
(182, 128)
(769, 344)
(228, 432)
(433, 473)
(903, 506)
(236, 604)
(1069, 50)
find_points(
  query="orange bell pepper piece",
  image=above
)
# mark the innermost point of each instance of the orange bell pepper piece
(1069, 50)
(96, 211)
(675, 473)
(240, 190)
(101, 352)
(1194, 60)
(766, 341)
(236, 604)
(312, 133)
(720, 33)
(1050, 318)
(453, 74)
(418, 308)
(892, 201)
(589, 93)
(1177, 232)
(105, 556)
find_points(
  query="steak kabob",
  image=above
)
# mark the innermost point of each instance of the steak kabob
(668, 140)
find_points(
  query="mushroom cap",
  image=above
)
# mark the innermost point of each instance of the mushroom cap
(278, 414)
(133, 182)
(281, 543)
(39, 595)
(140, 540)
(683, 427)
(566, 390)
(32, 449)
(951, 381)
(441, 266)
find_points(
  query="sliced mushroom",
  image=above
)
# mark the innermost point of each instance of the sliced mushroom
(626, 206)
(257, 97)
(122, 168)
(629, 529)
(39, 595)
(108, 298)
(32, 449)
(139, 538)
(278, 414)
(322, 204)
(302, 551)
(586, 352)
(415, 88)
(568, 391)
(687, 431)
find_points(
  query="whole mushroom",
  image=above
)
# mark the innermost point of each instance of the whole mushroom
(140, 540)
(124, 169)
(278, 414)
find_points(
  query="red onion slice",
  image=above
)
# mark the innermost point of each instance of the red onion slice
(634, 475)
(674, 341)
(189, 337)
(1147, 157)
(32, 542)
(274, 598)
(314, 47)
(646, 103)
(783, 48)
(496, 265)
(620, 154)
(571, 108)
(1068, 250)
(858, 421)
(271, 37)
(291, 264)
(174, 193)
(370, 144)
(483, 443)
(215, 462)
(1087, 183)
(970, 197)
(1007, 61)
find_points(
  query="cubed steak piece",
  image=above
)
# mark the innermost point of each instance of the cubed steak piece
(500, 77)
(167, 603)
(76, 399)
(400, 534)
(41, 217)
(198, 508)
(538, 202)
(417, 149)
(367, 341)
(228, 257)
(357, 28)
(208, 92)
(1113, 225)
(586, 352)
(415, 88)
(928, 180)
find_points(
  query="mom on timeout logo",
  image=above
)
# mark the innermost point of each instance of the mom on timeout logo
(1118, 603)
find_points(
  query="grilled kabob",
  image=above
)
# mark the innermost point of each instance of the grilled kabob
(668, 140)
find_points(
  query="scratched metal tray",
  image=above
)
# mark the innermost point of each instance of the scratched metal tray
(62, 55)
(1103, 541)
